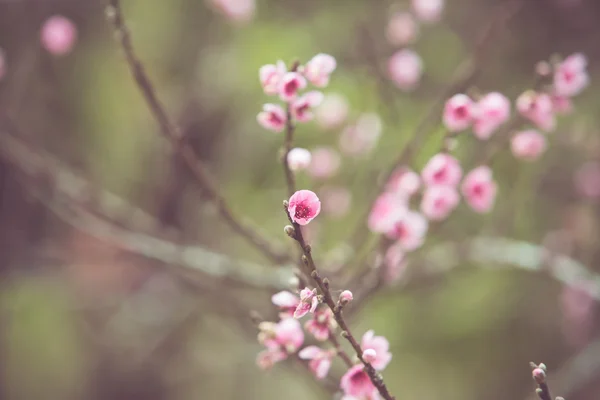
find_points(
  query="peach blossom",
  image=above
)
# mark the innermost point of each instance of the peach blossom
(428, 10)
(308, 302)
(321, 324)
(357, 383)
(291, 83)
(528, 145)
(272, 117)
(402, 29)
(408, 228)
(336, 201)
(325, 163)
(404, 181)
(298, 159)
(304, 206)
(361, 138)
(538, 108)
(479, 189)
(459, 113)
(493, 110)
(442, 169)
(236, 10)
(302, 107)
(270, 76)
(570, 76)
(385, 207)
(405, 68)
(332, 112)
(320, 360)
(287, 303)
(58, 35)
(319, 69)
(381, 347)
(439, 201)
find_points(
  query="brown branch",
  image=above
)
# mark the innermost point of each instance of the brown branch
(185, 151)
(323, 285)
(287, 147)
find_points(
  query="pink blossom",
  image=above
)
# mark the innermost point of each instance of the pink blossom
(336, 201)
(394, 262)
(357, 383)
(298, 159)
(479, 189)
(459, 112)
(269, 357)
(587, 180)
(408, 228)
(236, 10)
(325, 163)
(361, 138)
(303, 207)
(493, 110)
(285, 335)
(321, 324)
(538, 108)
(439, 201)
(287, 303)
(405, 68)
(369, 355)
(332, 112)
(301, 108)
(561, 105)
(528, 145)
(270, 77)
(404, 182)
(320, 360)
(381, 347)
(319, 68)
(402, 29)
(291, 83)
(346, 297)
(272, 117)
(442, 169)
(308, 302)
(385, 207)
(58, 35)
(570, 76)
(428, 10)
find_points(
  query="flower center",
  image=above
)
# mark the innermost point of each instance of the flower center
(291, 87)
(302, 211)
(359, 378)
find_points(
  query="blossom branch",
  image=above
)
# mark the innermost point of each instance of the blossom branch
(539, 375)
(186, 152)
(336, 308)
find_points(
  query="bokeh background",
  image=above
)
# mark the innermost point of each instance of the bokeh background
(82, 317)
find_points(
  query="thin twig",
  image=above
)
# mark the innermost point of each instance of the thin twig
(186, 152)
(539, 375)
(287, 147)
(338, 348)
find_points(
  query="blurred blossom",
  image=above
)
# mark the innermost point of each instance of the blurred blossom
(236, 10)
(570, 76)
(408, 228)
(320, 360)
(381, 347)
(479, 189)
(538, 108)
(58, 35)
(301, 108)
(270, 76)
(439, 201)
(459, 112)
(561, 105)
(528, 145)
(319, 68)
(298, 159)
(404, 182)
(493, 110)
(285, 335)
(405, 68)
(428, 10)
(287, 303)
(587, 180)
(385, 207)
(402, 29)
(291, 83)
(442, 169)
(336, 201)
(394, 263)
(325, 163)
(362, 137)
(332, 112)
(321, 324)
(357, 384)
(272, 117)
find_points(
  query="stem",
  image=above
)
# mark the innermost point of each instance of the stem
(338, 348)
(288, 143)
(185, 151)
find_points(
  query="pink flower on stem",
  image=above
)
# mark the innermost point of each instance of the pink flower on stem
(321, 324)
(428, 10)
(346, 297)
(336, 201)
(298, 159)
(439, 201)
(291, 83)
(236, 10)
(362, 137)
(308, 302)
(404, 182)
(303, 207)
(408, 228)
(386, 206)
(325, 163)
(267, 358)
(528, 145)
(402, 29)
(58, 35)
(570, 76)
(301, 108)
(320, 360)
(272, 117)
(459, 113)
(405, 68)
(587, 180)
(381, 347)
(479, 189)
(357, 383)
(538, 108)
(442, 169)
(270, 77)
(493, 110)
(287, 303)
(332, 112)
(394, 262)
(319, 68)
(286, 335)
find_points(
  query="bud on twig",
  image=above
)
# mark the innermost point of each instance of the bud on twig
(290, 231)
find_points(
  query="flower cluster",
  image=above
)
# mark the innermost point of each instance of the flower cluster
(276, 80)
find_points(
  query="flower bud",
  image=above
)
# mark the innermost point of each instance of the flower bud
(369, 355)
(346, 297)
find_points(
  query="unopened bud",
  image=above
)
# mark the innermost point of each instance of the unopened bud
(543, 68)
(290, 231)
(539, 375)
(369, 355)
(346, 297)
